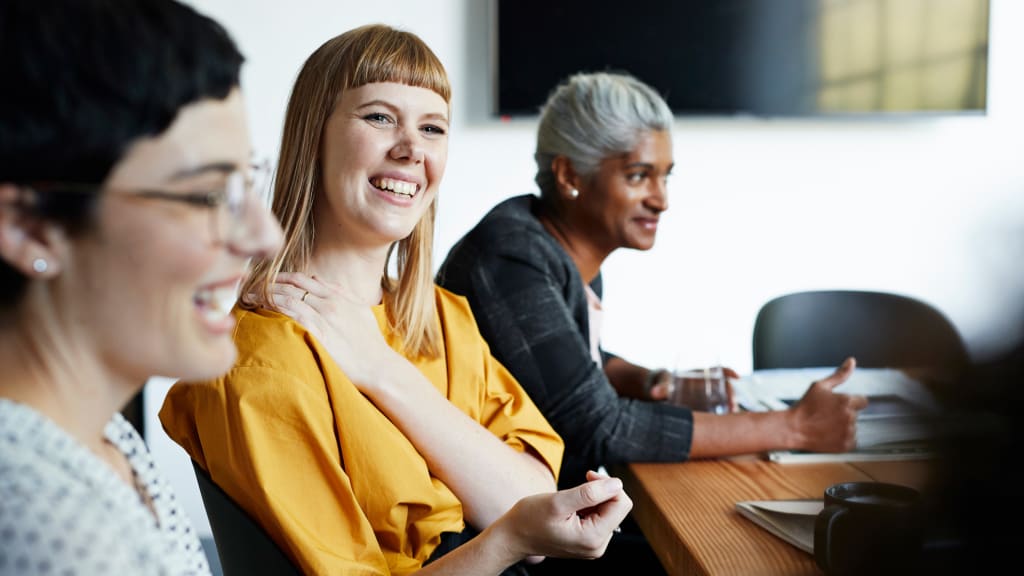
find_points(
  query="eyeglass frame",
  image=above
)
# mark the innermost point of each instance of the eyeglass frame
(211, 199)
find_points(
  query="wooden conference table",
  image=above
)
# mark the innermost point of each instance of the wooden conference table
(687, 510)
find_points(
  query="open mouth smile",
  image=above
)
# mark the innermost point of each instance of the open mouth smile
(396, 187)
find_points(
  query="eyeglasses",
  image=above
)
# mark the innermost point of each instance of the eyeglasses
(230, 207)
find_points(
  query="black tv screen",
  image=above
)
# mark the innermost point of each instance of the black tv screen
(753, 57)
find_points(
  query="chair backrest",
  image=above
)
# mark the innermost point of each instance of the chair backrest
(243, 546)
(882, 330)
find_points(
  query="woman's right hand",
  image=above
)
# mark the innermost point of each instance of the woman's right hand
(346, 328)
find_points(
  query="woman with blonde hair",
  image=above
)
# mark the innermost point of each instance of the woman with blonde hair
(366, 425)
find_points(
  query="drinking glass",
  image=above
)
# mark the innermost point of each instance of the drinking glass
(701, 389)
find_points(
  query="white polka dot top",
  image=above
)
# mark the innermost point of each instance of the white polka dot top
(65, 512)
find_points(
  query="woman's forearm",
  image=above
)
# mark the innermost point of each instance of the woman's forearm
(573, 523)
(491, 552)
(627, 378)
(717, 435)
(823, 421)
(486, 474)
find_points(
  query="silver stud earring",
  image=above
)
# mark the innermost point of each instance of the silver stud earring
(574, 193)
(40, 265)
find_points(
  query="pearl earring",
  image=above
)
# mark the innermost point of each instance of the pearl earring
(40, 265)
(574, 193)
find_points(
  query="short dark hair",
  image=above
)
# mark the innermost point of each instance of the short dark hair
(83, 79)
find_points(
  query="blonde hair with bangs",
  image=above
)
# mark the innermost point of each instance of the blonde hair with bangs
(364, 55)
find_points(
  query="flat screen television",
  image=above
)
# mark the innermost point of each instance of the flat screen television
(785, 58)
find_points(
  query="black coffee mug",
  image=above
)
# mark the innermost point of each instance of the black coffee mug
(869, 528)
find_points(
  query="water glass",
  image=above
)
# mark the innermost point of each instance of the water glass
(702, 389)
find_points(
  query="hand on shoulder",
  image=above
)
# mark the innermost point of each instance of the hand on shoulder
(346, 328)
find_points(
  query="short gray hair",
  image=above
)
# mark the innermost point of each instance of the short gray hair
(591, 116)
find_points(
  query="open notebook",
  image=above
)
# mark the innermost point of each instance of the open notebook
(900, 422)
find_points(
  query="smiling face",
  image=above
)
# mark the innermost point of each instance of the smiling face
(150, 283)
(619, 206)
(383, 154)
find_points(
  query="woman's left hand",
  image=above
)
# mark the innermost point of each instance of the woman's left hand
(664, 386)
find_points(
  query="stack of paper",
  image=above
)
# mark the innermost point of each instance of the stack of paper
(791, 520)
(898, 423)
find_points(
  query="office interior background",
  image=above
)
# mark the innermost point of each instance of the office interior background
(929, 206)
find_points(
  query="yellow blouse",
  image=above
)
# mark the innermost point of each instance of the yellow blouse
(329, 477)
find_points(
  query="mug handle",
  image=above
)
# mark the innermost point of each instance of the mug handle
(823, 534)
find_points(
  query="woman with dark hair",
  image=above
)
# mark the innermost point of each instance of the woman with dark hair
(127, 216)
(366, 425)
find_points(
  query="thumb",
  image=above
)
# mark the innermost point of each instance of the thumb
(589, 494)
(841, 374)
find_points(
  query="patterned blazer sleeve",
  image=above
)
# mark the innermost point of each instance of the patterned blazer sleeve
(527, 296)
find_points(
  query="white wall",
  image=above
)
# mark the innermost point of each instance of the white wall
(933, 208)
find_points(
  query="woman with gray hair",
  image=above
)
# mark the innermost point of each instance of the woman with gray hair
(592, 116)
(531, 270)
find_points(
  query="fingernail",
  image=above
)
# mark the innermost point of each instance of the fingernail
(611, 485)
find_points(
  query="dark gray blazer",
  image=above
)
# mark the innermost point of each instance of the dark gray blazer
(528, 299)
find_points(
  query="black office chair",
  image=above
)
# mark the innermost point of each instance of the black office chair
(243, 546)
(882, 330)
